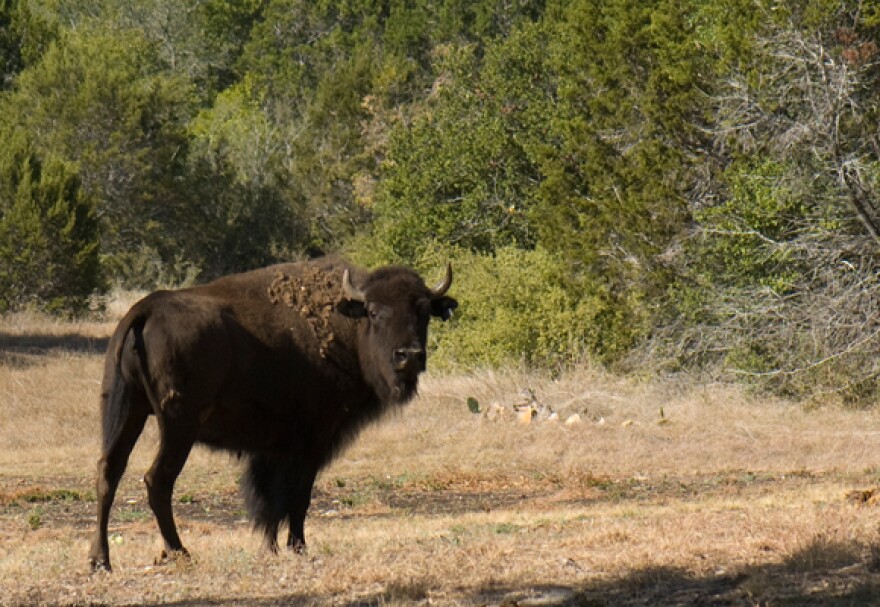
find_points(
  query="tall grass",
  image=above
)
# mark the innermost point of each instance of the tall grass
(662, 491)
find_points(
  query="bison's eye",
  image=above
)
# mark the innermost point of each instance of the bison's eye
(378, 313)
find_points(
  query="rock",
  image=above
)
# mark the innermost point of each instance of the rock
(573, 419)
(525, 416)
(495, 412)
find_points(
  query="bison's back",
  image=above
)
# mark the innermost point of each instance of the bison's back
(250, 366)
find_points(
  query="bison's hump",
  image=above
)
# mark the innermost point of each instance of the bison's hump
(313, 293)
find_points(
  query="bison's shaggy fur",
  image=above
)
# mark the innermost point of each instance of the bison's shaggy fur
(282, 365)
(314, 295)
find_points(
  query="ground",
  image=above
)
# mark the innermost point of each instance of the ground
(662, 494)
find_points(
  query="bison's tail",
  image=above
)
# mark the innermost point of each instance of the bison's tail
(117, 403)
(133, 321)
(265, 487)
(113, 410)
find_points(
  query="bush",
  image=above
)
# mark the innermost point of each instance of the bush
(515, 306)
(48, 233)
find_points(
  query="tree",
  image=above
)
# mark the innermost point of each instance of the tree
(573, 132)
(200, 40)
(102, 102)
(335, 76)
(25, 33)
(456, 173)
(779, 279)
(48, 232)
(249, 212)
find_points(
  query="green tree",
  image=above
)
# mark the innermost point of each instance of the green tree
(335, 76)
(101, 101)
(780, 267)
(48, 232)
(249, 213)
(25, 32)
(456, 173)
(574, 132)
(200, 40)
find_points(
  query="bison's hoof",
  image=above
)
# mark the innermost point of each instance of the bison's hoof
(97, 564)
(298, 547)
(173, 557)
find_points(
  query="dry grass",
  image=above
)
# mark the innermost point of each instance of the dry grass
(720, 499)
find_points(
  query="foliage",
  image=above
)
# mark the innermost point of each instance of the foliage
(683, 185)
(456, 173)
(335, 76)
(92, 100)
(248, 208)
(744, 238)
(24, 35)
(777, 283)
(544, 138)
(515, 306)
(200, 40)
(48, 232)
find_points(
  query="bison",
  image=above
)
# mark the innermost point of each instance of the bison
(282, 366)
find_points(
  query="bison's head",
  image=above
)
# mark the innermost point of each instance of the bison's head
(395, 306)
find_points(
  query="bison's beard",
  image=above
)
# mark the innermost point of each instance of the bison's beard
(404, 390)
(267, 486)
(392, 387)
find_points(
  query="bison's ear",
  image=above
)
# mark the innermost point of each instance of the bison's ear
(352, 308)
(442, 307)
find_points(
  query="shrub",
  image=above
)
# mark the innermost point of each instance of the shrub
(48, 233)
(515, 306)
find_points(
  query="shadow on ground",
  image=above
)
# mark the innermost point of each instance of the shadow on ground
(823, 573)
(22, 350)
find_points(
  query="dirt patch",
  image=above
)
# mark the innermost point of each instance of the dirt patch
(451, 502)
(71, 501)
(420, 520)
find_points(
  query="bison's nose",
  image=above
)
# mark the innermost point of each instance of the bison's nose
(409, 359)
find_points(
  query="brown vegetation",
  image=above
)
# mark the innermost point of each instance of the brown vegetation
(661, 495)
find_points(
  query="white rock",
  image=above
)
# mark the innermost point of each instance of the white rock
(495, 412)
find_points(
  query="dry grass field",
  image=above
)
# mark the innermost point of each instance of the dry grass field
(661, 495)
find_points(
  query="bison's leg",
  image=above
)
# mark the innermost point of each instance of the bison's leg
(111, 465)
(299, 499)
(175, 444)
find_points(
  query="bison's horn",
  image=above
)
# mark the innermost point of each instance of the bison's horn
(441, 287)
(352, 293)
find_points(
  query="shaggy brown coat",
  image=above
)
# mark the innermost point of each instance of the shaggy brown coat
(282, 365)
